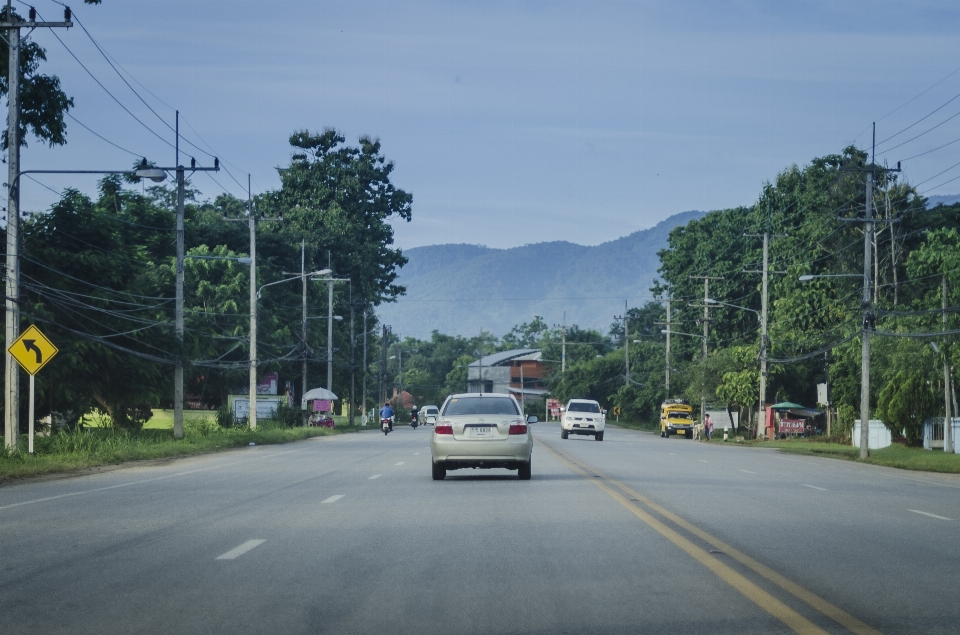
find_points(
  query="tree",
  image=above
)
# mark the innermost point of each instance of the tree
(905, 403)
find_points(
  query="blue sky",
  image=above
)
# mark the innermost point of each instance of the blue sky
(515, 122)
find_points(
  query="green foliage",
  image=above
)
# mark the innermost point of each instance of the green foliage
(905, 403)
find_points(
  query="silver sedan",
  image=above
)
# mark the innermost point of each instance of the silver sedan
(481, 431)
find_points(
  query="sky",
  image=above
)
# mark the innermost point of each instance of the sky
(511, 122)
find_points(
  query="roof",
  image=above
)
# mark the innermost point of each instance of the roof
(498, 359)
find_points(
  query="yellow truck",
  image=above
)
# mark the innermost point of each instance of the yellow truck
(676, 417)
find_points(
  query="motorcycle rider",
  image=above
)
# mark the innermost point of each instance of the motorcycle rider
(414, 416)
(387, 413)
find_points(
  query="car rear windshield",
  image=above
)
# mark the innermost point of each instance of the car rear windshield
(583, 407)
(480, 406)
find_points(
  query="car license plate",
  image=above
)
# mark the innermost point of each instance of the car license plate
(481, 432)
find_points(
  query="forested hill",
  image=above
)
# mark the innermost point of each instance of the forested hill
(459, 289)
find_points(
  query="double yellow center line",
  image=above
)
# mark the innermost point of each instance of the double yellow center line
(635, 503)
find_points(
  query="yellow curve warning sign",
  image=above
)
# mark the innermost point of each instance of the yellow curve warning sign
(32, 350)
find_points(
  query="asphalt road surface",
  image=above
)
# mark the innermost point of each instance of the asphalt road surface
(349, 534)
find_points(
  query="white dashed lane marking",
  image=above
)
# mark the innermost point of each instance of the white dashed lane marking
(748, 471)
(814, 487)
(236, 552)
(401, 462)
(375, 476)
(332, 499)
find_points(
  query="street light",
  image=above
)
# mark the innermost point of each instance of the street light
(735, 306)
(809, 276)
(322, 272)
(243, 260)
(679, 333)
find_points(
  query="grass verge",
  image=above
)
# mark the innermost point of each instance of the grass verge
(896, 455)
(92, 447)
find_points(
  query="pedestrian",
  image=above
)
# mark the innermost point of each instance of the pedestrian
(708, 426)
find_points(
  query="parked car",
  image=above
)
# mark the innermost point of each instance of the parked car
(583, 416)
(428, 411)
(481, 431)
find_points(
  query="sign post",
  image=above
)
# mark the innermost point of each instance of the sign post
(33, 351)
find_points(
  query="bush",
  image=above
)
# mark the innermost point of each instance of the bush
(288, 416)
(225, 418)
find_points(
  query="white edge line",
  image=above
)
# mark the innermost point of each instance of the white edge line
(917, 511)
(332, 499)
(814, 487)
(140, 482)
(236, 552)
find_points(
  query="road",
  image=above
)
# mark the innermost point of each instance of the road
(349, 534)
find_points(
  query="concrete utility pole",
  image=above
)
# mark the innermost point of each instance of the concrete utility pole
(866, 303)
(706, 329)
(563, 345)
(11, 374)
(364, 389)
(353, 358)
(178, 368)
(626, 343)
(764, 303)
(303, 325)
(383, 365)
(667, 332)
(252, 383)
(947, 421)
(329, 326)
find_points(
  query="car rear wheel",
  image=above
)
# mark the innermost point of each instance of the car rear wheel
(525, 470)
(563, 433)
(439, 472)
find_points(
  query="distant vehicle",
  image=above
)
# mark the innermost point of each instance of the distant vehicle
(481, 431)
(676, 417)
(428, 411)
(583, 416)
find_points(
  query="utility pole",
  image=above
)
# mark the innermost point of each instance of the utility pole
(11, 393)
(523, 403)
(626, 343)
(303, 327)
(353, 359)
(764, 303)
(252, 383)
(364, 405)
(329, 326)
(866, 303)
(947, 421)
(383, 365)
(178, 369)
(706, 330)
(563, 339)
(667, 332)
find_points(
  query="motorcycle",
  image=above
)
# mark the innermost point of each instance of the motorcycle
(414, 421)
(385, 425)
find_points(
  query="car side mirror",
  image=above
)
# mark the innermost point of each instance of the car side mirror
(532, 419)
(603, 412)
(431, 419)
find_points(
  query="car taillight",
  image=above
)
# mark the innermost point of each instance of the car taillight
(443, 429)
(518, 428)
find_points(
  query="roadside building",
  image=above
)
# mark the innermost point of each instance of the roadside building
(519, 372)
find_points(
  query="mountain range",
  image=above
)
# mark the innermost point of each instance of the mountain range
(461, 289)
